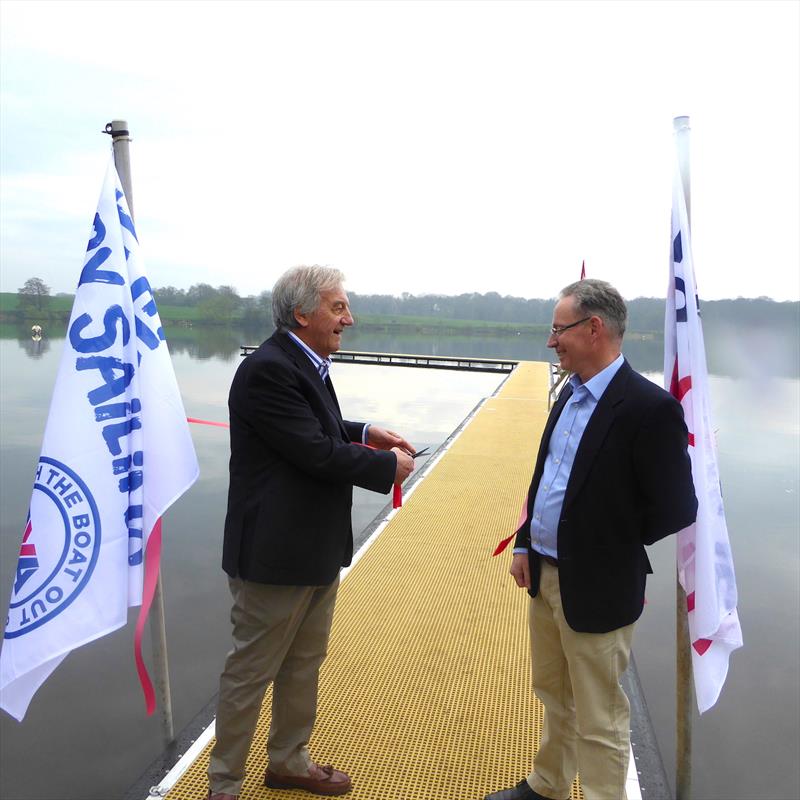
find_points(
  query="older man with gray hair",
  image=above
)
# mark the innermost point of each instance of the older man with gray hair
(612, 475)
(294, 462)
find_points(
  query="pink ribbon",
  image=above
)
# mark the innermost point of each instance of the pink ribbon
(207, 422)
(523, 515)
(152, 565)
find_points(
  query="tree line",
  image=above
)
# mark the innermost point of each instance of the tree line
(644, 313)
(223, 304)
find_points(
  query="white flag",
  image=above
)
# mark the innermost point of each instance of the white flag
(705, 562)
(116, 454)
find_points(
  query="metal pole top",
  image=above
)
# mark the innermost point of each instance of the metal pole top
(120, 141)
(118, 129)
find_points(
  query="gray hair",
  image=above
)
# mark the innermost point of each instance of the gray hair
(300, 288)
(598, 298)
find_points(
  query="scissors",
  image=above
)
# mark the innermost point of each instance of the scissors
(420, 452)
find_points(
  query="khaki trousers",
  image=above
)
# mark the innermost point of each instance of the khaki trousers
(586, 719)
(280, 636)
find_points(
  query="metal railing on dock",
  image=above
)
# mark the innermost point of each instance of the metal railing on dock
(500, 365)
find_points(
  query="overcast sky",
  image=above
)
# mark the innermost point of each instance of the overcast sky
(422, 147)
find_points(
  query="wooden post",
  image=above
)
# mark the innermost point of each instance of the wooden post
(120, 137)
(683, 698)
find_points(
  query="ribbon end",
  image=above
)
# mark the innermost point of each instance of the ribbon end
(502, 546)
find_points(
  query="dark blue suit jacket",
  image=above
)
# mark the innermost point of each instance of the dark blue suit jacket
(630, 485)
(292, 471)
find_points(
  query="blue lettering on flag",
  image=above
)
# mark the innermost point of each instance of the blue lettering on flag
(96, 344)
(133, 481)
(116, 410)
(152, 340)
(103, 352)
(116, 430)
(70, 558)
(91, 273)
(134, 512)
(99, 234)
(125, 220)
(113, 386)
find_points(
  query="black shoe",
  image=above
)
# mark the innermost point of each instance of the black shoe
(522, 791)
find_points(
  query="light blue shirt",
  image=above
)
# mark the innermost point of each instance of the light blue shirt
(322, 366)
(561, 452)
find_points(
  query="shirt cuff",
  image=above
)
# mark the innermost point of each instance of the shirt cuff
(520, 551)
(365, 434)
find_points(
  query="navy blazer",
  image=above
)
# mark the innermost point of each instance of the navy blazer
(292, 471)
(630, 485)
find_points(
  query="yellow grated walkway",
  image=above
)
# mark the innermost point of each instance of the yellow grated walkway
(425, 694)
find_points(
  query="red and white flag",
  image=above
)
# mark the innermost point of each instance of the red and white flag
(705, 561)
(116, 454)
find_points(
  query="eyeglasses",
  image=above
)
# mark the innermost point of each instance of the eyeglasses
(557, 331)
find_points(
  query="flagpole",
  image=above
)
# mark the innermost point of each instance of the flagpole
(120, 137)
(683, 717)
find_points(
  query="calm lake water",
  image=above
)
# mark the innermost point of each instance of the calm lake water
(86, 734)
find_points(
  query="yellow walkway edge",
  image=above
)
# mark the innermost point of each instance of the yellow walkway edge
(426, 694)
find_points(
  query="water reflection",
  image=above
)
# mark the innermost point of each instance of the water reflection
(35, 346)
(206, 342)
(755, 352)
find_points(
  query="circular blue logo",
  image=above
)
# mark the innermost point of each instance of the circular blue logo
(59, 548)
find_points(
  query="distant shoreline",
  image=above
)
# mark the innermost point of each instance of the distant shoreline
(645, 317)
(372, 323)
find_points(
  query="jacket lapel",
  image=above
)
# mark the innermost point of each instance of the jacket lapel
(325, 389)
(329, 384)
(596, 431)
(552, 418)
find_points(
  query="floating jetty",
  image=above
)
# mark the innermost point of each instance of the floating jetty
(465, 363)
(426, 691)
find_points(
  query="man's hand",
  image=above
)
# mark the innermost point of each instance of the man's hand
(387, 440)
(405, 464)
(521, 570)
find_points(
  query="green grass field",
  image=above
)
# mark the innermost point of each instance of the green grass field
(60, 308)
(9, 302)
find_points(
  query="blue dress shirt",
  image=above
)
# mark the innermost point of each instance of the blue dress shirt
(561, 452)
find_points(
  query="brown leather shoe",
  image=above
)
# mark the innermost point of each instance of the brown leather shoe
(320, 780)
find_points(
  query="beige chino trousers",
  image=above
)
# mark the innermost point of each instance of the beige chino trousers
(587, 714)
(280, 636)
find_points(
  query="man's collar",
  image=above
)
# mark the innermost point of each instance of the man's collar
(315, 357)
(322, 365)
(597, 384)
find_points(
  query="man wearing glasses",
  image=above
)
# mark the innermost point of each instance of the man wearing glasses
(612, 475)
